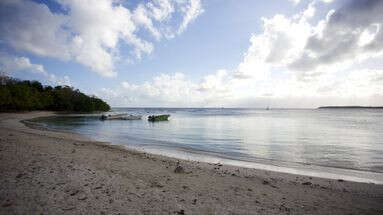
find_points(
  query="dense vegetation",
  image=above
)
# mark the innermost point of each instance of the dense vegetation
(17, 95)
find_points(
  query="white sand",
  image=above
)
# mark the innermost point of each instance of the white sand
(61, 173)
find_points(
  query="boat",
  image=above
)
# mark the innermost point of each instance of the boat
(121, 117)
(155, 118)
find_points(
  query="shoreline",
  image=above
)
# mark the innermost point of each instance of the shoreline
(296, 168)
(101, 177)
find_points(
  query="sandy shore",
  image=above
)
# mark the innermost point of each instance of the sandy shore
(46, 172)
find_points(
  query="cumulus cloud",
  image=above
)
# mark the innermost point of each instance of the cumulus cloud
(31, 27)
(10, 64)
(164, 89)
(215, 82)
(293, 61)
(172, 90)
(310, 11)
(281, 41)
(223, 89)
(269, 74)
(295, 44)
(90, 32)
(354, 31)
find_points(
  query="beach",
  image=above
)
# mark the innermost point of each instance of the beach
(53, 172)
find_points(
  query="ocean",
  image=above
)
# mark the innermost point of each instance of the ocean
(332, 143)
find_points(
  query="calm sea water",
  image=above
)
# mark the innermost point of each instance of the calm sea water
(341, 139)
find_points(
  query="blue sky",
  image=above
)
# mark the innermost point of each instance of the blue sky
(196, 53)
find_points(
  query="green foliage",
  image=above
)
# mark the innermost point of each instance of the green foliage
(16, 95)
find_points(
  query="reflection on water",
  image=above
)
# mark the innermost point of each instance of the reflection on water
(349, 139)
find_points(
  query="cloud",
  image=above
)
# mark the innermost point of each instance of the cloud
(310, 11)
(281, 41)
(160, 11)
(9, 64)
(90, 35)
(191, 11)
(352, 32)
(295, 1)
(357, 87)
(31, 27)
(215, 82)
(141, 17)
(297, 61)
(268, 76)
(12, 64)
(174, 90)
(163, 89)
(327, 1)
(293, 44)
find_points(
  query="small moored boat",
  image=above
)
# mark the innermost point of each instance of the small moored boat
(121, 117)
(155, 118)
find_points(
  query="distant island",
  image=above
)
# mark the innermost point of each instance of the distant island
(351, 107)
(18, 95)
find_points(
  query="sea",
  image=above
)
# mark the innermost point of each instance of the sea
(330, 143)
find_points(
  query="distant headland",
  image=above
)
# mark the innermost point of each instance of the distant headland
(351, 107)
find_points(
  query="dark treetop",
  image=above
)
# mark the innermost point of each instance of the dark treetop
(17, 95)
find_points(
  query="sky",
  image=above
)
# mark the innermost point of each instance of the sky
(200, 53)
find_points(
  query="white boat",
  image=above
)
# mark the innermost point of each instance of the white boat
(121, 117)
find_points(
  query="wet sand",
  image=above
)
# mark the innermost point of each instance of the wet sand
(48, 172)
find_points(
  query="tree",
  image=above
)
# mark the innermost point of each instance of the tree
(16, 95)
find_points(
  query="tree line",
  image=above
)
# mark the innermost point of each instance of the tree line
(18, 95)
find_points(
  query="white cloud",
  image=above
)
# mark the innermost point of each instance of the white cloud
(163, 89)
(90, 32)
(215, 83)
(327, 1)
(281, 41)
(141, 17)
(31, 27)
(292, 62)
(98, 29)
(294, 1)
(161, 9)
(10, 64)
(358, 87)
(349, 34)
(310, 11)
(352, 32)
(268, 76)
(192, 9)
(298, 1)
